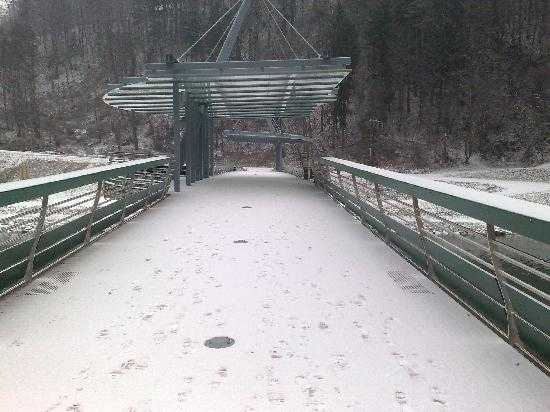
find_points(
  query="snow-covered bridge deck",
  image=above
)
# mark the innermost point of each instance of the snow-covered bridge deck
(314, 301)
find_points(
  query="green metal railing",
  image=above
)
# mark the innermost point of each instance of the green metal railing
(489, 252)
(44, 220)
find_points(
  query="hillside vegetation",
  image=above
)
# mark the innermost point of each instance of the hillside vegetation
(434, 81)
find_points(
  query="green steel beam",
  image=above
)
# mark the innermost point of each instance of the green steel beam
(340, 62)
(261, 115)
(177, 136)
(239, 103)
(246, 79)
(189, 140)
(521, 217)
(21, 191)
(202, 88)
(263, 137)
(222, 98)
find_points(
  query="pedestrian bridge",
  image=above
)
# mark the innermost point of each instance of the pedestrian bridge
(322, 313)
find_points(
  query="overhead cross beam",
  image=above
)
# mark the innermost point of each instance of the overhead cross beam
(276, 139)
(263, 137)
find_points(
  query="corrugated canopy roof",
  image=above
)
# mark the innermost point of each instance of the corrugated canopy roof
(237, 89)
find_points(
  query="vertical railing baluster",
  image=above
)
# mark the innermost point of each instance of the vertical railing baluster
(166, 183)
(355, 187)
(127, 191)
(37, 235)
(325, 171)
(93, 212)
(513, 334)
(340, 182)
(378, 193)
(150, 190)
(422, 236)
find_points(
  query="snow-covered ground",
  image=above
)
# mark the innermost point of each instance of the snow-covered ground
(527, 183)
(42, 164)
(320, 309)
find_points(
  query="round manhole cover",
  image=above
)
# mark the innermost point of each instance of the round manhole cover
(219, 342)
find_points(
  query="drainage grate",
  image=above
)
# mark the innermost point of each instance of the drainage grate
(240, 241)
(42, 288)
(49, 284)
(408, 282)
(219, 342)
(64, 277)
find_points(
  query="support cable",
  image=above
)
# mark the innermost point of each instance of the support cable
(295, 29)
(280, 30)
(209, 30)
(283, 54)
(224, 34)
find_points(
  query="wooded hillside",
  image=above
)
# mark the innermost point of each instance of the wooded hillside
(434, 81)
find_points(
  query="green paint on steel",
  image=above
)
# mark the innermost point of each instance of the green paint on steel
(512, 214)
(22, 191)
(60, 241)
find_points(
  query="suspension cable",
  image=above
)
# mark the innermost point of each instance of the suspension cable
(282, 54)
(295, 29)
(209, 30)
(280, 30)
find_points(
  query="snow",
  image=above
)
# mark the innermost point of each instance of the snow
(68, 177)
(10, 158)
(42, 168)
(3, 7)
(527, 183)
(312, 298)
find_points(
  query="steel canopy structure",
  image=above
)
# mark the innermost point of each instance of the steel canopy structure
(276, 139)
(235, 90)
(199, 92)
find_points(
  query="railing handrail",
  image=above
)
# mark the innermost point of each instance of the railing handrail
(519, 216)
(21, 191)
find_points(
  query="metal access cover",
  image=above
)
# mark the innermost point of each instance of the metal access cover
(219, 342)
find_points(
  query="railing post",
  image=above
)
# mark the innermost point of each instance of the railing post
(127, 190)
(150, 190)
(92, 213)
(324, 176)
(422, 236)
(189, 141)
(176, 98)
(513, 334)
(166, 182)
(378, 193)
(355, 187)
(340, 182)
(37, 235)
(316, 172)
